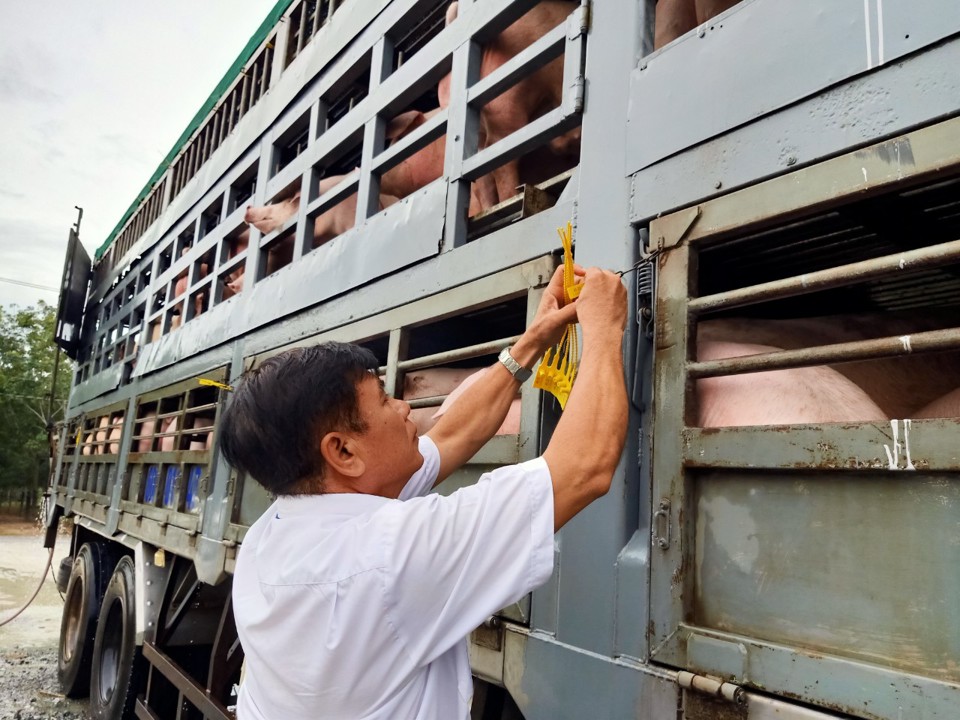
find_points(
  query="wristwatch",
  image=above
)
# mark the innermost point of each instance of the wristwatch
(516, 369)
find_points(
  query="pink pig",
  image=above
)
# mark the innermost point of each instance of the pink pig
(527, 100)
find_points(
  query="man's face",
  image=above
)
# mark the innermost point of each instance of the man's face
(390, 446)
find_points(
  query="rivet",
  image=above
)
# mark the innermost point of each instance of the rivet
(718, 185)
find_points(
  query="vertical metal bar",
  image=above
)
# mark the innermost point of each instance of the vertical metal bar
(463, 128)
(374, 135)
(245, 93)
(396, 351)
(303, 23)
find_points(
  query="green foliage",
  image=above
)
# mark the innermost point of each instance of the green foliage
(27, 353)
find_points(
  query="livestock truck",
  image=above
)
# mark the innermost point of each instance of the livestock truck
(787, 171)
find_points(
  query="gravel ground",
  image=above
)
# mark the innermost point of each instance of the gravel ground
(28, 645)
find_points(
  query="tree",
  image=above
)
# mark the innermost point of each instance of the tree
(27, 356)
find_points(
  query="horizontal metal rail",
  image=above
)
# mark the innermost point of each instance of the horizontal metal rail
(924, 342)
(406, 146)
(840, 276)
(464, 353)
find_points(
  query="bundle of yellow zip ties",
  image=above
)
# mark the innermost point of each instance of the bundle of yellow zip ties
(558, 369)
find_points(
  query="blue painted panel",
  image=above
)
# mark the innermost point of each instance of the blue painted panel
(192, 498)
(170, 487)
(150, 486)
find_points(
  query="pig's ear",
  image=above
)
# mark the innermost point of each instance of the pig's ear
(403, 124)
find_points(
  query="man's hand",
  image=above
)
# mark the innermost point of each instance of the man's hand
(602, 305)
(547, 326)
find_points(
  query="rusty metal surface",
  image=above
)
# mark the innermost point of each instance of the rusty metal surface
(926, 445)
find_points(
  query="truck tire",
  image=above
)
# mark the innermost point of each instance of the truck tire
(88, 581)
(118, 665)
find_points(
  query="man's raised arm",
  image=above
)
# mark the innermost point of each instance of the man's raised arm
(477, 414)
(586, 445)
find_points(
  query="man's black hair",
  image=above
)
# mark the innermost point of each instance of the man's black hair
(272, 427)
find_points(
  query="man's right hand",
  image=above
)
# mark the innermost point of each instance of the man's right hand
(602, 305)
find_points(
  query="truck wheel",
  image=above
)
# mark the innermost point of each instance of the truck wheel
(118, 665)
(88, 580)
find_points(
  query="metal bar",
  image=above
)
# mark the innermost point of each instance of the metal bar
(924, 342)
(464, 353)
(192, 690)
(145, 713)
(852, 447)
(839, 276)
(406, 146)
(547, 48)
(335, 195)
(556, 122)
(303, 26)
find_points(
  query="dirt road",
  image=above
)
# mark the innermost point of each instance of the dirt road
(28, 645)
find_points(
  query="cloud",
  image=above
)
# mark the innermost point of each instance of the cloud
(18, 84)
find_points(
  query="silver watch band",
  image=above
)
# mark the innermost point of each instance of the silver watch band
(521, 373)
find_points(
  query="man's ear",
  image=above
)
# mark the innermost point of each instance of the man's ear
(339, 453)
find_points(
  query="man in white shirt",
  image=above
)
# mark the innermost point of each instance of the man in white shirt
(355, 591)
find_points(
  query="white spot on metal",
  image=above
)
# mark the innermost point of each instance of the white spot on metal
(906, 444)
(905, 341)
(902, 264)
(893, 454)
(864, 171)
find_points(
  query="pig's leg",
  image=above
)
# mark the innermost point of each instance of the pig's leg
(168, 443)
(114, 437)
(708, 9)
(673, 19)
(947, 406)
(779, 397)
(147, 429)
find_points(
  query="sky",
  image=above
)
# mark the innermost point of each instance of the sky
(93, 95)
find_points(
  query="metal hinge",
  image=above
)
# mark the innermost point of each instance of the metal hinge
(662, 540)
(712, 686)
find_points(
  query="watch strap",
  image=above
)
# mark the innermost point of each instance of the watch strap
(521, 373)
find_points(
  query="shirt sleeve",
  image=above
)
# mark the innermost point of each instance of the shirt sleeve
(451, 562)
(422, 481)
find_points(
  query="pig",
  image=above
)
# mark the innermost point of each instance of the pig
(328, 225)
(527, 100)
(431, 382)
(900, 386)
(421, 168)
(202, 437)
(510, 425)
(946, 406)
(115, 432)
(146, 429)
(233, 282)
(168, 443)
(677, 17)
(779, 397)
(101, 435)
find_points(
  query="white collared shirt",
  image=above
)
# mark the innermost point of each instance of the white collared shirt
(356, 606)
